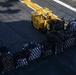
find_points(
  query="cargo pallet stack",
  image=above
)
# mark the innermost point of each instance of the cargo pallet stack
(30, 52)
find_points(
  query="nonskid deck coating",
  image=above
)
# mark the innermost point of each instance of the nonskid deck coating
(16, 29)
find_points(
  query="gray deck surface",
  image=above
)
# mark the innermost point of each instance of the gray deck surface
(16, 29)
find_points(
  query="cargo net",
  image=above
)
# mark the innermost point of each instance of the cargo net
(31, 51)
(69, 42)
(54, 44)
(6, 60)
(72, 24)
(69, 38)
(34, 50)
(70, 34)
(61, 40)
(20, 59)
(46, 48)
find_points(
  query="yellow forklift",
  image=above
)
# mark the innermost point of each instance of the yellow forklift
(42, 18)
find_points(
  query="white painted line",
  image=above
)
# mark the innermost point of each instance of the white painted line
(21, 1)
(31, 7)
(65, 5)
(54, 15)
(29, 0)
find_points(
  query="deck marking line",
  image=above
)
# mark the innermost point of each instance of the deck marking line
(65, 5)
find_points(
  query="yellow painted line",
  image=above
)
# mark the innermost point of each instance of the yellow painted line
(32, 5)
(37, 5)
